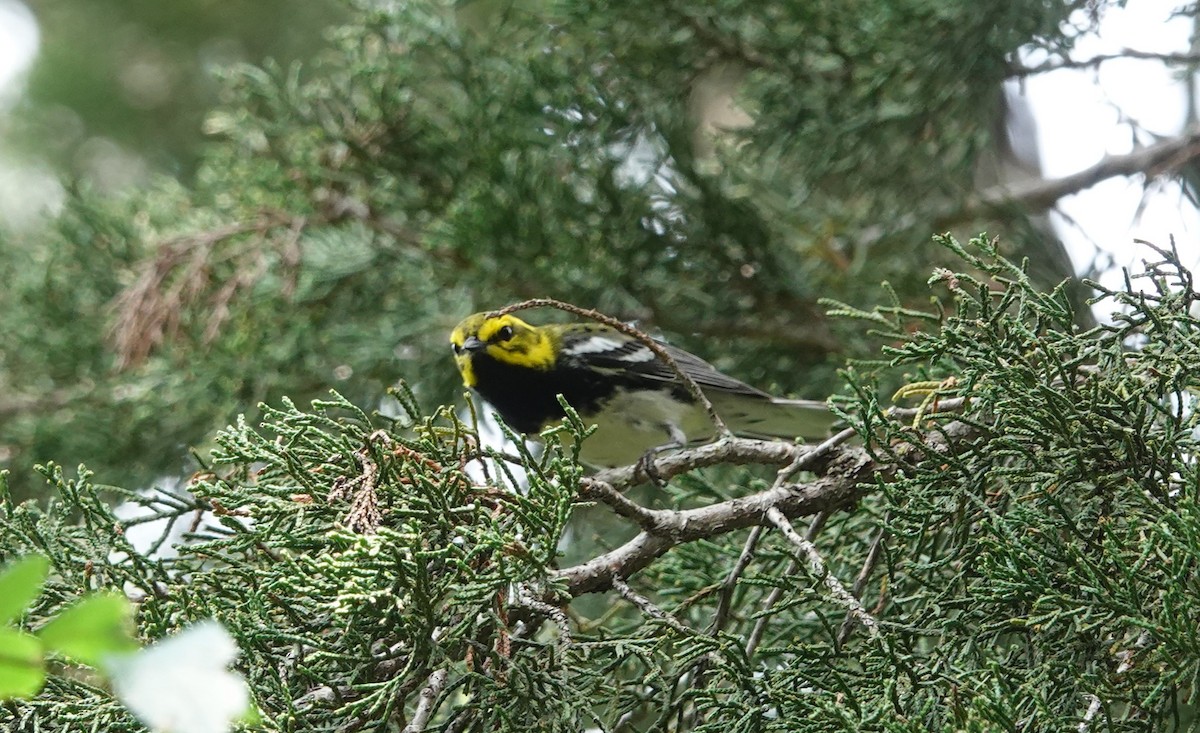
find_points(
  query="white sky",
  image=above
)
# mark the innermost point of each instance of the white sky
(18, 43)
(1083, 115)
(26, 188)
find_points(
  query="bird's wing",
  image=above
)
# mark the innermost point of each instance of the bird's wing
(600, 347)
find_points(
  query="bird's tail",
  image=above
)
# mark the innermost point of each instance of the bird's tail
(777, 418)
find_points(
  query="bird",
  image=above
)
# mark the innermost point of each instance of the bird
(635, 399)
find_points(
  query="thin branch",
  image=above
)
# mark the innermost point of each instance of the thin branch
(427, 703)
(845, 469)
(860, 584)
(818, 567)
(810, 456)
(760, 626)
(1039, 195)
(725, 452)
(150, 311)
(647, 606)
(1020, 72)
(953, 404)
(526, 598)
(803, 461)
(1042, 194)
(725, 599)
(591, 488)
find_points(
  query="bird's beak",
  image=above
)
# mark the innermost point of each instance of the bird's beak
(473, 344)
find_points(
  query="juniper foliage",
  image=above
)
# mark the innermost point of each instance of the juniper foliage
(1036, 550)
(438, 158)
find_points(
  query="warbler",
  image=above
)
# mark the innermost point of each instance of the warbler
(614, 381)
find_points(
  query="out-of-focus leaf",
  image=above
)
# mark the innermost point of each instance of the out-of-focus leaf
(20, 583)
(22, 667)
(91, 629)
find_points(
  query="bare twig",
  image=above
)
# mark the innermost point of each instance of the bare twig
(647, 606)
(802, 461)
(1038, 195)
(810, 456)
(427, 703)
(760, 626)
(725, 599)
(817, 565)
(953, 404)
(364, 515)
(1020, 72)
(150, 310)
(590, 488)
(725, 452)
(1042, 194)
(526, 598)
(860, 583)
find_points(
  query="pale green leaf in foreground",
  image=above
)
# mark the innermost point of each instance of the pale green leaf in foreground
(22, 668)
(20, 583)
(90, 630)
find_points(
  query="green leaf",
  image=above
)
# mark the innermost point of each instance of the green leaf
(20, 583)
(22, 666)
(91, 629)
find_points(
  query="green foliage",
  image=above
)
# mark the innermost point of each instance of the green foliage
(1036, 547)
(1052, 542)
(133, 77)
(22, 666)
(348, 544)
(87, 631)
(1027, 540)
(20, 583)
(91, 630)
(437, 159)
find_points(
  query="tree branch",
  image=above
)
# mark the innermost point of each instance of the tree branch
(591, 488)
(1039, 195)
(647, 606)
(843, 468)
(728, 451)
(817, 564)
(760, 626)
(427, 701)
(725, 599)
(860, 583)
(1020, 72)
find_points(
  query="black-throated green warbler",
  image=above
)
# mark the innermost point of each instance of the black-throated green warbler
(616, 382)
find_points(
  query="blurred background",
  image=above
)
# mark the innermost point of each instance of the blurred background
(208, 205)
(113, 92)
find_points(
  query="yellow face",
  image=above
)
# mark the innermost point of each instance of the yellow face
(507, 339)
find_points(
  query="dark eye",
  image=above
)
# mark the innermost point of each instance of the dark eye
(456, 348)
(504, 334)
